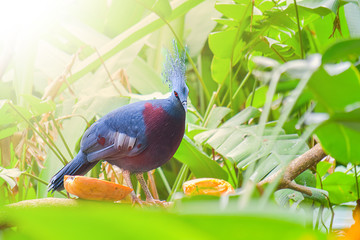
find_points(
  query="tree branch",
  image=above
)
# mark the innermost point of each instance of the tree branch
(294, 169)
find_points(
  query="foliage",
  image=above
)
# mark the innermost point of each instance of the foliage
(267, 79)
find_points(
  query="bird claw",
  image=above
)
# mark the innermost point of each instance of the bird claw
(157, 202)
(150, 202)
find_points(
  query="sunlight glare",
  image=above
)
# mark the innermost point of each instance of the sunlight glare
(23, 15)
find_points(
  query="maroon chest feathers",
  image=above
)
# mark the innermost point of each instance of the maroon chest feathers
(162, 129)
(164, 133)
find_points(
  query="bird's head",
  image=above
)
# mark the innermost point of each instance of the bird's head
(174, 74)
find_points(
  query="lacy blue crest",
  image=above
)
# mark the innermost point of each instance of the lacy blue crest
(174, 67)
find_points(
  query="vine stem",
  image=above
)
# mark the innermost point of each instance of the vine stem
(299, 30)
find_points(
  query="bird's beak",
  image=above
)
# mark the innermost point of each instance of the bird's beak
(184, 103)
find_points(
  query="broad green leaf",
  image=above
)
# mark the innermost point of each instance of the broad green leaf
(9, 116)
(220, 68)
(221, 43)
(144, 79)
(199, 163)
(341, 187)
(234, 11)
(260, 97)
(198, 25)
(342, 51)
(320, 196)
(160, 7)
(202, 220)
(216, 115)
(7, 131)
(352, 14)
(126, 12)
(219, 135)
(322, 84)
(322, 7)
(146, 26)
(340, 136)
(322, 168)
(242, 117)
(283, 197)
(306, 178)
(39, 106)
(226, 22)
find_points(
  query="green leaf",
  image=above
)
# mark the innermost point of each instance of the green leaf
(352, 14)
(138, 31)
(198, 25)
(39, 106)
(329, 90)
(342, 51)
(202, 220)
(321, 7)
(216, 115)
(341, 133)
(322, 168)
(306, 178)
(7, 131)
(340, 136)
(144, 79)
(319, 195)
(199, 163)
(259, 98)
(220, 68)
(234, 11)
(283, 197)
(341, 187)
(221, 43)
(161, 7)
(242, 117)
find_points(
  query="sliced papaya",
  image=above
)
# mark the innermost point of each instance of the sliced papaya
(95, 189)
(207, 186)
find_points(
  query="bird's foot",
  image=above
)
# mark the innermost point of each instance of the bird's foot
(135, 200)
(157, 202)
(150, 202)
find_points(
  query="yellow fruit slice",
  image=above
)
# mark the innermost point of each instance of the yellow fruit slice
(95, 189)
(207, 186)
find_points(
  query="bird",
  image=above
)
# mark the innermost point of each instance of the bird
(137, 137)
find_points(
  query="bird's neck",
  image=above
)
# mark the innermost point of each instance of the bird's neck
(174, 107)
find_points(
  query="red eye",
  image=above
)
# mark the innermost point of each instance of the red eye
(176, 94)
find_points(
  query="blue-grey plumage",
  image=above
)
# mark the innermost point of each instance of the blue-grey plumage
(137, 137)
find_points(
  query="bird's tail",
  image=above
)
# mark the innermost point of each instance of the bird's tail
(78, 166)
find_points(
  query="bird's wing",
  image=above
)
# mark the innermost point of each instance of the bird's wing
(102, 141)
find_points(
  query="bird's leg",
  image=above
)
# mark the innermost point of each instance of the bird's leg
(149, 197)
(140, 178)
(134, 198)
